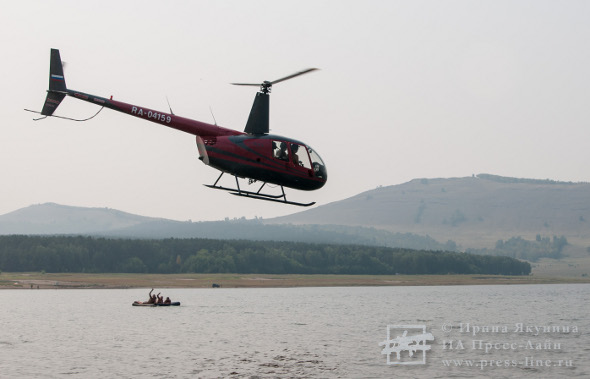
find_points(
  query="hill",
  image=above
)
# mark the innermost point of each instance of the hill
(435, 214)
(473, 211)
(51, 218)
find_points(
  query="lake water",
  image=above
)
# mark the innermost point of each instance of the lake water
(527, 330)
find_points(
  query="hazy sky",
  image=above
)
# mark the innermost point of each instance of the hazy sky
(407, 89)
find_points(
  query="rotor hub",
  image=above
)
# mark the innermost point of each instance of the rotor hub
(266, 87)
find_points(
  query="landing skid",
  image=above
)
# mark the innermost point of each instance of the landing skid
(257, 195)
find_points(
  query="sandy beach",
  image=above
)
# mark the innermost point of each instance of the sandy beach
(80, 281)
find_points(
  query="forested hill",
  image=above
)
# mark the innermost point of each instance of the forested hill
(473, 211)
(55, 219)
(87, 254)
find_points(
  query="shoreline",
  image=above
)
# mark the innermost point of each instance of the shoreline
(35, 280)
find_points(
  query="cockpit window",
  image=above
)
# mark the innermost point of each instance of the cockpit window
(279, 150)
(299, 156)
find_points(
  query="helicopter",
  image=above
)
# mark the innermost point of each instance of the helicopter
(253, 154)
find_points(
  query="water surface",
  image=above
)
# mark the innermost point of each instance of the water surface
(296, 332)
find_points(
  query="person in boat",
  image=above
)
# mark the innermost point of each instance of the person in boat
(160, 299)
(152, 299)
(167, 301)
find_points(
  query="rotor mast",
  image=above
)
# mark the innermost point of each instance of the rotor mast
(258, 120)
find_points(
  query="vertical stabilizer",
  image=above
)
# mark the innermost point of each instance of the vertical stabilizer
(57, 84)
(57, 81)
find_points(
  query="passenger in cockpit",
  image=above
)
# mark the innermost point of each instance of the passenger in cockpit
(282, 152)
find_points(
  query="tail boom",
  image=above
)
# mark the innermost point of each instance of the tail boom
(58, 91)
(170, 120)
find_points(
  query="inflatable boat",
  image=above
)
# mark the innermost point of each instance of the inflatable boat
(140, 304)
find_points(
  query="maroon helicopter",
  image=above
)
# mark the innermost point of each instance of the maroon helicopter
(253, 154)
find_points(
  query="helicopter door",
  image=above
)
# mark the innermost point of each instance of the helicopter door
(299, 156)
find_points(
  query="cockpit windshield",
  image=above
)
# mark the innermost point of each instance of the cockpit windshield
(319, 168)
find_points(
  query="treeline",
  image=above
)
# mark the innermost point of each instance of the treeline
(518, 247)
(99, 255)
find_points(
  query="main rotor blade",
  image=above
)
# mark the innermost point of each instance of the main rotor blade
(278, 80)
(293, 75)
(246, 84)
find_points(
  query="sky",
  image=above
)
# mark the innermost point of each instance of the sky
(405, 90)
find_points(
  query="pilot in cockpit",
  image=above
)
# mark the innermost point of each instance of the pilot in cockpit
(295, 157)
